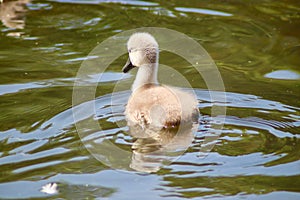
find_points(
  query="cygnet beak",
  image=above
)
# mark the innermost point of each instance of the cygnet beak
(128, 66)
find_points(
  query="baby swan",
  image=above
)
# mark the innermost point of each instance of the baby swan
(151, 104)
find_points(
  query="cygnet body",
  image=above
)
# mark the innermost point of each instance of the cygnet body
(152, 104)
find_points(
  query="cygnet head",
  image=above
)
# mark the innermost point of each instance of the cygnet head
(142, 49)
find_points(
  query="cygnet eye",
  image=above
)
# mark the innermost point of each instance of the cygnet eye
(129, 50)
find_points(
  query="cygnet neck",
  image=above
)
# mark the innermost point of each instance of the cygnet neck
(147, 74)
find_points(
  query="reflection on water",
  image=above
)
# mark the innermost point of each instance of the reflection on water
(283, 74)
(153, 150)
(12, 15)
(255, 155)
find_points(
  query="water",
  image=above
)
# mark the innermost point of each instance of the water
(255, 156)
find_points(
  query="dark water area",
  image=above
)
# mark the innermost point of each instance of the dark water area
(43, 45)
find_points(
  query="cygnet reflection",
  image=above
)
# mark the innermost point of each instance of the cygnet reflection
(12, 13)
(155, 148)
